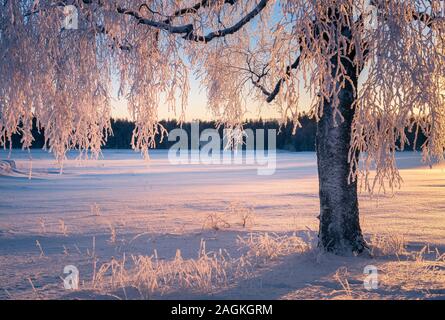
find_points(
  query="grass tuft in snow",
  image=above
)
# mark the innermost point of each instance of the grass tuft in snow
(389, 244)
(263, 247)
(38, 245)
(150, 275)
(216, 221)
(95, 210)
(63, 227)
(210, 271)
(113, 233)
(245, 215)
(341, 276)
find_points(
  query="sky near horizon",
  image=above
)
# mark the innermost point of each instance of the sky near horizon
(196, 108)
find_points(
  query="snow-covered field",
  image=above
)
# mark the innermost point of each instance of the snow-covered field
(107, 217)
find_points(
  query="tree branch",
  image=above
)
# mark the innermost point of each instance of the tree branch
(188, 30)
(230, 30)
(271, 95)
(194, 9)
(280, 82)
(424, 17)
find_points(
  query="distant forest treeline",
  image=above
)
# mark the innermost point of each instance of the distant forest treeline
(303, 140)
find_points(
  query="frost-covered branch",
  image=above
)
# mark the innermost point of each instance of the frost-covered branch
(194, 9)
(271, 95)
(188, 30)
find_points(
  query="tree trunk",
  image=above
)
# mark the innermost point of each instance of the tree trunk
(339, 231)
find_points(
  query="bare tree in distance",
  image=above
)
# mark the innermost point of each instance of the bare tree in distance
(373, 68)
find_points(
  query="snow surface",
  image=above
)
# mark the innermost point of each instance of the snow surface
(156, 205)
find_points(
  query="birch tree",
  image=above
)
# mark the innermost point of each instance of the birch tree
(373, 69)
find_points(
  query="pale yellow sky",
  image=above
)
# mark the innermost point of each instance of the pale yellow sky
(197, 107)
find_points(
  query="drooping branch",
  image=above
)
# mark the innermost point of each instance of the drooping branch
(271, 95)
(230, 30)
(280, 82)
(257, 82)
(422, 16)
(188, 31)
(194, 9)
(426, 18)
